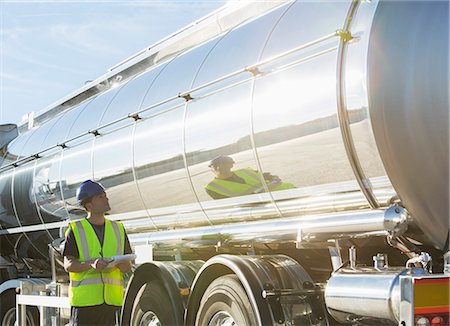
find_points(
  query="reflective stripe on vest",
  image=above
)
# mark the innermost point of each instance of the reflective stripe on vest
(94, 287)
(222, 188)
(232, 189)
(98, 280)
(253, 175)
(83, 242)
(120, 247)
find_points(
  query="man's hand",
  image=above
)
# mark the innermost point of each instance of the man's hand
(124, 267)
(269, 177)
(100, 263)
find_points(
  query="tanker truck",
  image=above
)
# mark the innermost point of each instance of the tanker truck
(332, 118)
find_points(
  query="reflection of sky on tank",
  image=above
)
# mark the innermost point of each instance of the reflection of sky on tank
(147, 133)
(356, 89)
(76, 162)
(221, 118)
(289, 93)
(112, 153)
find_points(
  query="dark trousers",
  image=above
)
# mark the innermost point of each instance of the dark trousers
(102, 315)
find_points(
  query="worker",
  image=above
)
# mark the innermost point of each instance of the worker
(96, 290)
(228, 183)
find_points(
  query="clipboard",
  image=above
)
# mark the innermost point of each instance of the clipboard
(120, 259)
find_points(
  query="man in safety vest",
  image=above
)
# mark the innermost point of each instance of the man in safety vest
(228, 183)
(96, 290)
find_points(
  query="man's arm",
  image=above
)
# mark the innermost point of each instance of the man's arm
(72, 264)
(125, 267)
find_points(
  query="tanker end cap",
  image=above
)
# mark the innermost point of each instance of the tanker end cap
(88, 189)
(396, 220)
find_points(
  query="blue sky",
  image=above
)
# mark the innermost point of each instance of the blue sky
(51, 48)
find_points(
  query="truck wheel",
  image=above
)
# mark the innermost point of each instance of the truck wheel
(152, 307)
(225, 302)
(8, 311)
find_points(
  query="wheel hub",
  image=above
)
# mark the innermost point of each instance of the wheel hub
(150, 319)
(222, 318)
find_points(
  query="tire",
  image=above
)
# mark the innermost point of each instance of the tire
(8, 311)
(225, 302)
(153, 307)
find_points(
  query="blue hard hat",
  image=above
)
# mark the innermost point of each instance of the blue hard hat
(88, 189)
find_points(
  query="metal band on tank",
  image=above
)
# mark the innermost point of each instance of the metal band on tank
(344, 122)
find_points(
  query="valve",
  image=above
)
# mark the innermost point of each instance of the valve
(424, 258)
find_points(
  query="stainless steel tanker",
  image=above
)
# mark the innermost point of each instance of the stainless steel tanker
(345, 101)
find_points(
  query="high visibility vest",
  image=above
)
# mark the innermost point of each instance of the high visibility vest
(94, 287)
(252, 184)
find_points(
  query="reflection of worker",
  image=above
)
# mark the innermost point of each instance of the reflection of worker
(96, 291)
(241, 182)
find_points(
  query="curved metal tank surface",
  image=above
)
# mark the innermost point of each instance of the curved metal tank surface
(409, 107)
(266, 94)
